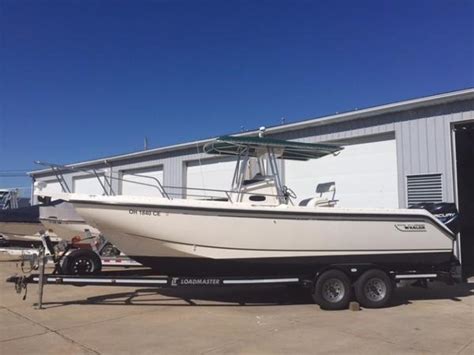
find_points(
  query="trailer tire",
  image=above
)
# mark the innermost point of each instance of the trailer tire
(82, 262)
(332, 290)
(374, 289)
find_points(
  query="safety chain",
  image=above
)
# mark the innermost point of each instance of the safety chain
(21, 285)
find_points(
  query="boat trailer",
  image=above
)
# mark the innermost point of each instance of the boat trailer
(21, 282)
(113, 278)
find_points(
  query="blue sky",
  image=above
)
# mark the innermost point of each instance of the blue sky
(83, 79)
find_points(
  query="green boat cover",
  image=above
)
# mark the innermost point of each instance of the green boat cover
(230, 145)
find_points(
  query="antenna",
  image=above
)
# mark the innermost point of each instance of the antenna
(145, 143)
(283, 120)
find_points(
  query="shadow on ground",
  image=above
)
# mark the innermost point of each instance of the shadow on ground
(434, 291)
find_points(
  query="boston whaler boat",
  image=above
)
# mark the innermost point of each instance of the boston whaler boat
(254, 229)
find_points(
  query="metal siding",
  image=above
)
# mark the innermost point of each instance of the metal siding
(448, 193)
(400, 160)
(405, 133)
(431, 148)
(431, 126)
(422, 145)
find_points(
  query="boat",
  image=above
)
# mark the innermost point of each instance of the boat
(21, 225)
(63, 220)
(10, 198)
(254, 228)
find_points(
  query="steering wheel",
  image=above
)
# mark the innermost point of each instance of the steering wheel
(288, 192)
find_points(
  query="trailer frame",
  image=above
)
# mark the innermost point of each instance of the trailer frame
(353, 272)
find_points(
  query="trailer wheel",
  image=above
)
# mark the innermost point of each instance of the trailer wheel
(374, 289)
(82, 262)
(332, 290)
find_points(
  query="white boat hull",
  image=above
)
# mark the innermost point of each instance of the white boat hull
(69, 229)
(59, 219)
(168, 234)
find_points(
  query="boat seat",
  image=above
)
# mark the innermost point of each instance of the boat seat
(317, 202)
(257, 178)
(325, 198)
(304, 202)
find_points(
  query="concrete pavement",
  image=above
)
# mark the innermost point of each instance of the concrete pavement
(123, 320)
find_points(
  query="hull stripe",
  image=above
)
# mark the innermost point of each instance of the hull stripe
(291, 250)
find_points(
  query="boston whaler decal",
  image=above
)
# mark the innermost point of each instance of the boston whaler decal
(410, 227)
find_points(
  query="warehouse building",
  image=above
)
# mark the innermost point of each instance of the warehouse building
(395, 155)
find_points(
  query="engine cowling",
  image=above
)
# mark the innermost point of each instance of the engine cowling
(446, 212)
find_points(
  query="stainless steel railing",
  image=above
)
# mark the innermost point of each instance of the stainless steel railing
(166, 191)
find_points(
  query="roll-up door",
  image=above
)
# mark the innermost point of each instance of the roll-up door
(209, 174)
(88, 185)
(365, 175)
(141, 182)
(52, 186)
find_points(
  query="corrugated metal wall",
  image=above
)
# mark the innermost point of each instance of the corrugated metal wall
(426, 144)
(423, 138)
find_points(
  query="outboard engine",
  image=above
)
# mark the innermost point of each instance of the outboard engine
(444, 211)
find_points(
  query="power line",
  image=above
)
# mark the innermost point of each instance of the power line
(13, 175)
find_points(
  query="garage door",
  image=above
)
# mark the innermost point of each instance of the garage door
(209, 174)
(88, 185)
(52, 186)
(365, 175)
(134, 184)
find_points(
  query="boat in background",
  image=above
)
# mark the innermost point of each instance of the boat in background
(22, 226)
(63, 220)
(10, 198)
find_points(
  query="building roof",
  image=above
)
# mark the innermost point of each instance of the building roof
(443, 98)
